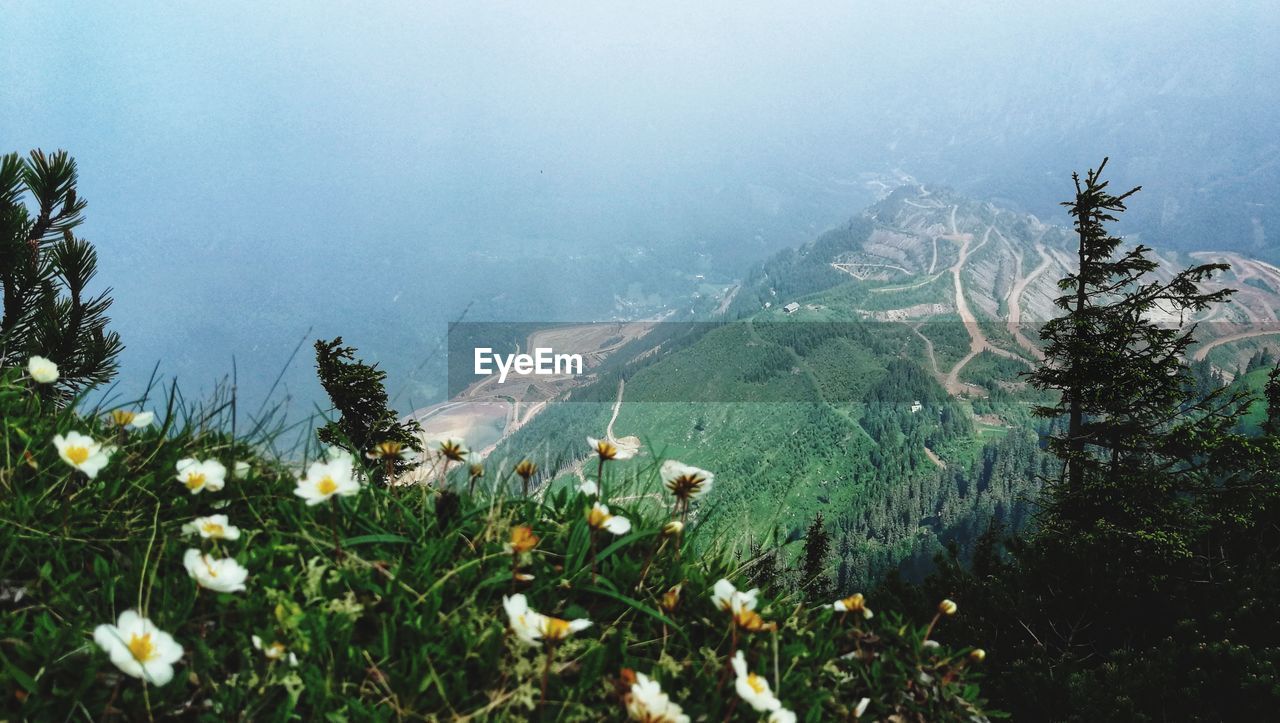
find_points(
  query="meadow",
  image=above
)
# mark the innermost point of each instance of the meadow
(158, 565)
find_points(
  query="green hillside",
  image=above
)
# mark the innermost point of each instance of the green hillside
(837, 408)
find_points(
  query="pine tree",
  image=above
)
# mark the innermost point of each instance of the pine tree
(1147, 590)
(814, 580)
(45, 270)
(359, 396)
(765, 572)
(1271, 426)
(1133, 429)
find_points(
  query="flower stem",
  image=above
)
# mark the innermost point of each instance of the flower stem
(592, 535)
(733, 705)
(929, 631)
(546, 672)
(600, 478)
(728, 663)
(337, 541)
(648, 563)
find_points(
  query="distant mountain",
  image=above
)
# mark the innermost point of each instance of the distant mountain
(870, 375)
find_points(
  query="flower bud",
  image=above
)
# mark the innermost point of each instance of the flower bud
(977, 655)
(947, 607)
(673, 527)
(670, 599)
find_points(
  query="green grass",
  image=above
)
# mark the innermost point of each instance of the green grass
(406, 622)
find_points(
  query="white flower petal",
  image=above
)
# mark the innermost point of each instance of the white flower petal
(41, 370)
(218, 575)
(618, 525)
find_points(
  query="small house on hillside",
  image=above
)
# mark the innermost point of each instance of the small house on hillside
(791, 308)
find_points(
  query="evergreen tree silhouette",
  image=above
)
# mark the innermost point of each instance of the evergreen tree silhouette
(1271, 426)
(1132, 423)
(45, 270)
(359, 396)
(814, 580)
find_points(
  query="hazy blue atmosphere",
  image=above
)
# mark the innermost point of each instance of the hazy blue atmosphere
(260, 172)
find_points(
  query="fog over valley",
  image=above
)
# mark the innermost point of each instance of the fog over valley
(261, 175)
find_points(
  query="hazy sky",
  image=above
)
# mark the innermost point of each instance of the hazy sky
(257, 169)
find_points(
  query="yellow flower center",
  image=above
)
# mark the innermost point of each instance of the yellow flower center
(78, 455)
(752, 621)
(597, 518)
(274, 650)
(213, 529)
(606, 449)
(452, 451)
(326, 486)
(685, 485)
(523, 539)
(141, 647)
(757, 683)
(195, 480)
(555, 628)
(208, 566)
(122, 417)
(671, 598)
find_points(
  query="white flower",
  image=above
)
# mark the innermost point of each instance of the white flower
(334, 453)
(213, 527)
(607, 449)
(225, 575)
(200, 475)
(684, 481)
(243, 469)
(731, 600)
(753, 688)
(138, 648)
(855, 603)
(861, 707)
(646, 702)
(326, 479)
(532, 628)
(781, 715)
(722, 594)
(391, 448)
(589, 488)
(81, 452)
(42, 370)
(133, 420)
(275, 651)
(599, 518)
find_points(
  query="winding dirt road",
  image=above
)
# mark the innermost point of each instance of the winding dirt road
(977, 340)
(1015, 303)
(1203, 351)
